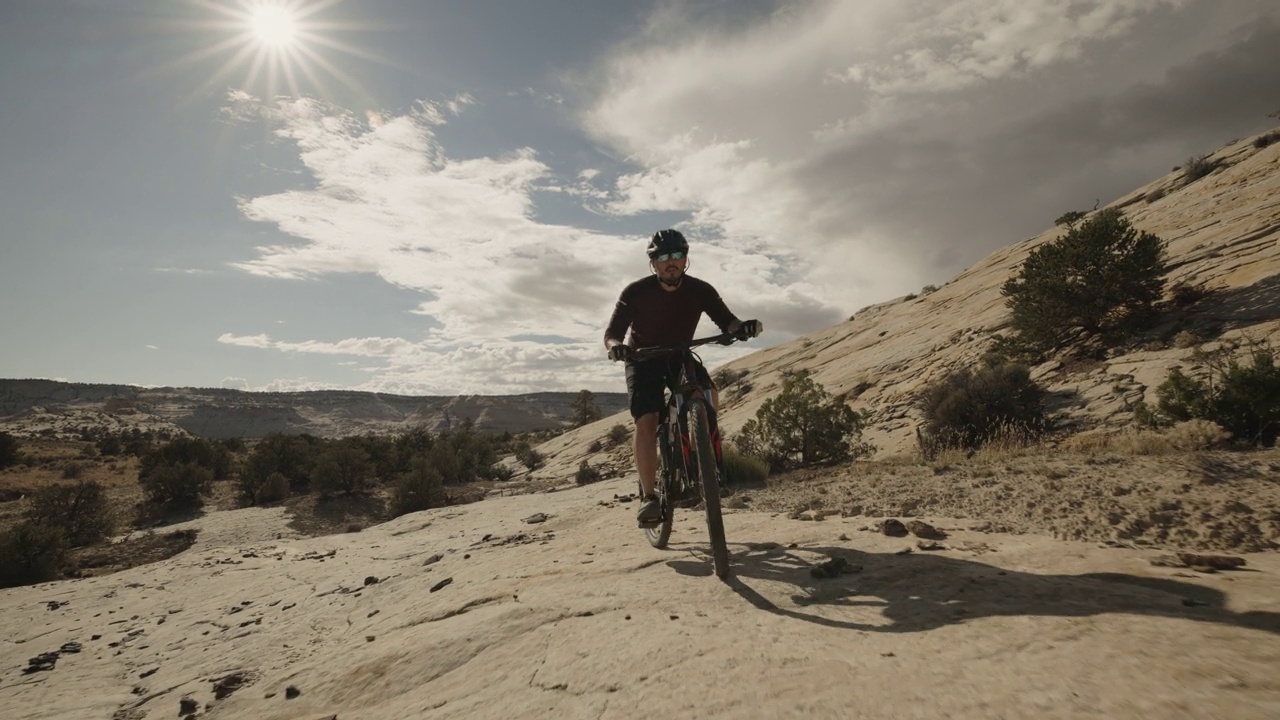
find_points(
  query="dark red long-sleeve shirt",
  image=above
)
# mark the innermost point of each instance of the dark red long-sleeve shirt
(658, 317)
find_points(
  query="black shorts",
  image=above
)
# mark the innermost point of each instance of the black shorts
(646, 381)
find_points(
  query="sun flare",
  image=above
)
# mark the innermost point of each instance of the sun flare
(280, 46)
(274, 26)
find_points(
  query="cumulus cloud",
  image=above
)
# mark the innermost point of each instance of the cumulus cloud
(388, 200)
(234, 383)
(876, 147)
(825, 156)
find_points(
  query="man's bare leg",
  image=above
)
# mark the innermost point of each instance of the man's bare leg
(646, 451)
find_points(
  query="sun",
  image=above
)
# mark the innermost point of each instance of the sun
(275, 46)
(274, 26)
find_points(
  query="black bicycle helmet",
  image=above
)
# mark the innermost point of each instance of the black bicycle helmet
(667, 241)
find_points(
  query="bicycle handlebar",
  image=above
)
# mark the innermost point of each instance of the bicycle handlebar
(659, 350)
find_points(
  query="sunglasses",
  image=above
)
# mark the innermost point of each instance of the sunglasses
(677, 255)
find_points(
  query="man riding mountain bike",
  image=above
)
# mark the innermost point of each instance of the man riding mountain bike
(662, 309)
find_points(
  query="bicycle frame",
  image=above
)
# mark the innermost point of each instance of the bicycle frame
(688, 474)
(688, 388)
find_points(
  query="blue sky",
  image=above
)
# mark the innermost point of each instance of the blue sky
(446, 197)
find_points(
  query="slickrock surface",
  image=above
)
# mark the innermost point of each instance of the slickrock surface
(553, 605)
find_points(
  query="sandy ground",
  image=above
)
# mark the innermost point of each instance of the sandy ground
(476, 612)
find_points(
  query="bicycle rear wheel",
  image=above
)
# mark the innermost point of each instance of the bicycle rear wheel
(700, 429)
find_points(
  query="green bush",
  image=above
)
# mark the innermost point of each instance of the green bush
(208, 454)
(803, 425)
(586, 474)
(529, 457)
(1102, 277)
(79, 510)
(421, 488)
(31, 553)
(289, 455)
(1197, 167)
(971, 408)
(618, 434)
(275, 489)
(343, 467)
(178, 484)
(1243, 399)
(8, 450)
(1267, 139)
(742, 469)
(1071, 217)
(109, 445)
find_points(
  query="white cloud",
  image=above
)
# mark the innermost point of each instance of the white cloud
(234, 383)
(253, 341)
(389, 201)
(877, 147)
(829, 156)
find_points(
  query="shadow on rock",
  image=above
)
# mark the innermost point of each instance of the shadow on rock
(919, 591)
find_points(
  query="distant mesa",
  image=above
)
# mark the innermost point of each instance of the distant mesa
(49, 407)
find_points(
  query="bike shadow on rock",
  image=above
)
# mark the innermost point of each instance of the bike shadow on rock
(921, 591)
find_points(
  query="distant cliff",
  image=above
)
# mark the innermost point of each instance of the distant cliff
(30, 407)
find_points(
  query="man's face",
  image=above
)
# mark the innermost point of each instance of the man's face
(670, 266)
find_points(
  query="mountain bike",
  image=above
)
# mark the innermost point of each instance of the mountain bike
(690, 462)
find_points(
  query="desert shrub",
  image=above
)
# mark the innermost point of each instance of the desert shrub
(136, 442)
(803, 425)
(289, 455)
(586, 474)
(31, 553)
(595, 446)
(1267, 139)
(1071, 217)
(8, 450)
(928, 289)
(1156, 194)
(1102, 277)
(421, 488)
(1197, 434)
(274, 489)
(109, 445)
(743, 469)
(1183, 294)
(463, 455)
(1185, 339)
(182, 484)
(380, 450)
(618, 434)
(72, 470)
(501, 473)
(971, 408)
(529, 457)
(344, 467)
(79, 510)
(208, 454)
(1244, 399)
(1197, 167)
(584, 408)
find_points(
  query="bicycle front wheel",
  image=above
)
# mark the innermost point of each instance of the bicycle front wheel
(700, 429)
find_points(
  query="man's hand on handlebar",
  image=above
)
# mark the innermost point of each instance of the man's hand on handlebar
(749, 329)
(619, 352)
